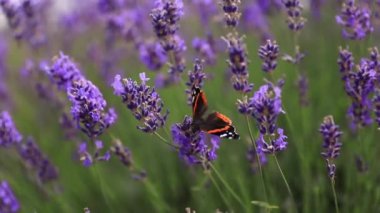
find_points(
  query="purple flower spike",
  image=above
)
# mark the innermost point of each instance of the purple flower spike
(356, 21)
(9, 135)
(8, 201)
(152, 55)
(35, 159)
(238, 63)
(331, 143)
(63, 72)
(269, 53)
(196, 78)
(358, 86)
(294, 20)
(88, 108)
(266, 107)
(346, 62)
(193, 146)
(144, 102)
(273, 143)
(231, 12)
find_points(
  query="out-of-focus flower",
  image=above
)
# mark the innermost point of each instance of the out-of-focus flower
(315, 6)
(152, 55)
(254, 19)
(35, 159)
(294, 20)
(123, 153)
(88, 108)
(206, 9)
(331, 143)
(303, 88)
(8, 201)
(63, 72)
(144, 102)
(231, 12)
(296, 59)
(9, 134)
(253, 160)
(204, 50)
(193, 145)
(238, 63)
(269, 53)
(196, 77)
(356, 21)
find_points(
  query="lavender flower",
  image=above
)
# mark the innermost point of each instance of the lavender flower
(231, 13)
(376, 106)
(152, 55)
(88, 108)
(63, 72)
(196, 77)
(8, 201)
(9, 135)
(356, 21)
(193, 146)
(358, 86)
(165, 19)
(269, 53)
(315, 6)
(205, 50)
(13, 17)
(206, 10)
(238, 63)
(255, 19)
(266, 107)
(331, 143)
(35, 159)
(89, 159)
(294, 20)
(123, 153)
(346, 62)
(374, 62)
(273, 143)
(144, 102)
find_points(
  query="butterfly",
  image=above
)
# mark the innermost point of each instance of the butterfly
(214, 123)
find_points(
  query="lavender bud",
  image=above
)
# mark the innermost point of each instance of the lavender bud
(269, 53)
(9, 134)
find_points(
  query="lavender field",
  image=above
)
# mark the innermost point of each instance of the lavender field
(190, 106)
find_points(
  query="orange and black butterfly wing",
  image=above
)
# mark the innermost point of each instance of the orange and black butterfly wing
(218, 124)
(199, 103)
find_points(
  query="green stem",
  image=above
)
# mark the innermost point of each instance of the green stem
(258, 159)
(219, 190)
(229, 188)
(334, 193)
(165, 141)
(285, 181)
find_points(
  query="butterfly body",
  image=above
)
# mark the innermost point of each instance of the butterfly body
(214, 123)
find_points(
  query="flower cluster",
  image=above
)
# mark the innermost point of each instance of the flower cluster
(356, 21)
(266, 106)
(196, 77)
(231, 12)
(294, 20)
(35, 159)
(193, 145)
(358, 86)
(346, 62)
(9, 134)
(8, 201)
(152, 55)
(238, 63)
(144, 102)
(88, 108)
(331, 143)
(26, 20)
(89, 159)
(269, 53)
(63, 72)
